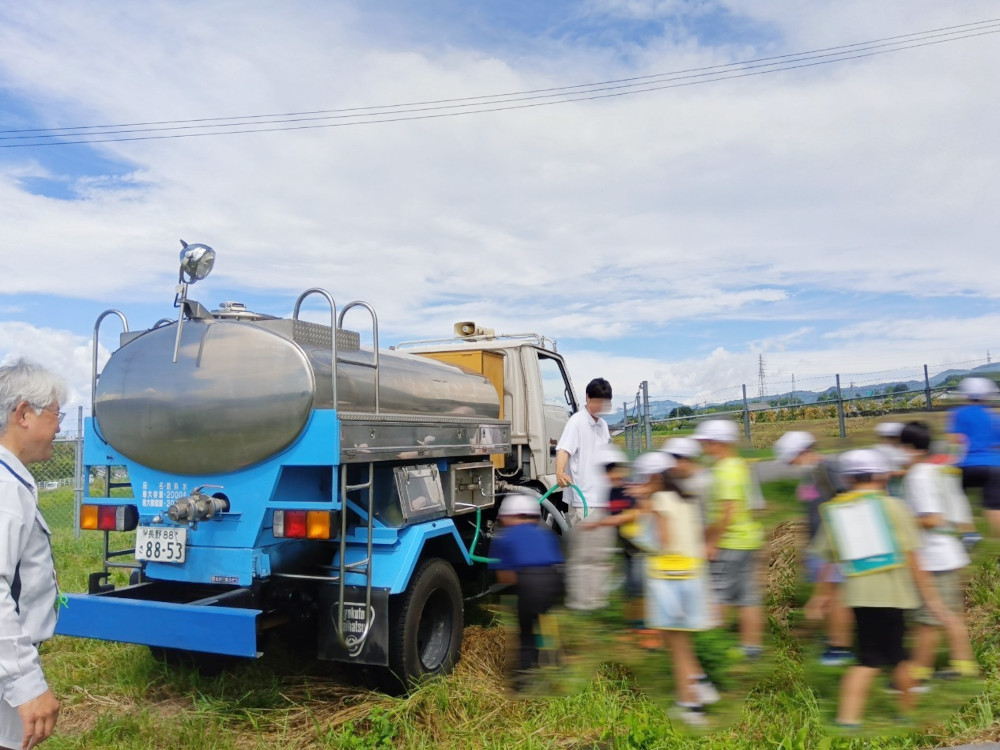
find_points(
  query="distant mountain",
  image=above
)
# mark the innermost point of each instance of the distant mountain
(659, 409)
(981, 370)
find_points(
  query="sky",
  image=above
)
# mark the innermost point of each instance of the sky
(821, 218)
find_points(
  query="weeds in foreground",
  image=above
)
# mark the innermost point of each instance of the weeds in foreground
(120, 697)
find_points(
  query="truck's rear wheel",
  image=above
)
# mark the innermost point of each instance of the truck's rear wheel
(426, 624)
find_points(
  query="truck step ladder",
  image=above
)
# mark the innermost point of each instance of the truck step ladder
(363, 566)
(360, 567)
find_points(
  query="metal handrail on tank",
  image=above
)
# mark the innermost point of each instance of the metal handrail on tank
(335, 321)
(369, 487)
(374, 363)
(108, 552)
(333, 332)
(93, 372)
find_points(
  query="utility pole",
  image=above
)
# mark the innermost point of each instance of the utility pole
(746, 414)
(840, 409)
(646, 417)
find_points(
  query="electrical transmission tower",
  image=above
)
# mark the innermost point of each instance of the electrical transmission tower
(761, 382)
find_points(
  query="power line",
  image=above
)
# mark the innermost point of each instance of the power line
(169, 129)
(553, 90)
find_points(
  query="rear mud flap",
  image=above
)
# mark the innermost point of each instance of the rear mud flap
(373, 649)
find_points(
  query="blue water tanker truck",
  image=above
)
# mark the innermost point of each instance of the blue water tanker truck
(282, 475)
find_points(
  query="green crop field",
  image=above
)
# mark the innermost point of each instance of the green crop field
(607, 692)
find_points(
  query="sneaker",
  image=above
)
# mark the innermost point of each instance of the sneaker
(836, 657)
(706, 691)
(965, 667)
(752, 652)
(918, 687)
(958, 669)
(691, 714)
(847, 726)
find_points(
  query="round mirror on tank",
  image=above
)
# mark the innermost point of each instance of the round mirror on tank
(196, 261)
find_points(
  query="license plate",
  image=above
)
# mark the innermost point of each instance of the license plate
(161, 543)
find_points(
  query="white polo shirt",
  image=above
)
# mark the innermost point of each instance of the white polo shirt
(581, 439)
(924, 493)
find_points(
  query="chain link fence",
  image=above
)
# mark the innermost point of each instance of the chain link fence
(844, 406)
(835, 408)
(60, 483)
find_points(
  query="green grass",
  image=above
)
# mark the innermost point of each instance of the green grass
(609, 693)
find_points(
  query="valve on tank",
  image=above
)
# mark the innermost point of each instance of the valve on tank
(197, 507)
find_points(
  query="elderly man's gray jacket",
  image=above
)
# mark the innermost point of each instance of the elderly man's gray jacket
(25, 558)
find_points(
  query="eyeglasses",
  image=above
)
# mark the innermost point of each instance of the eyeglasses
(60, 415)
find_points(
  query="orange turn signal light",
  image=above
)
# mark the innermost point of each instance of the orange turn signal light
(108, 517)
(304, 524)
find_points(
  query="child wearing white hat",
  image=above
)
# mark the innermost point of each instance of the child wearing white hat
(733, 535)
(526, 554)
(874, 540)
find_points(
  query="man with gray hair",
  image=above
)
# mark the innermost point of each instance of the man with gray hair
(29, 421)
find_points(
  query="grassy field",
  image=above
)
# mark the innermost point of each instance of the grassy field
(608, 692)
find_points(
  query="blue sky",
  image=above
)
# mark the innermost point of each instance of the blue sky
(838, 218)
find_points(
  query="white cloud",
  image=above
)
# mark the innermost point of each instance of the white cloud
(592, 219)
(64, 353)
(885, 350)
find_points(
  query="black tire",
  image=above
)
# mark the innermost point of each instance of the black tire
(426, 623)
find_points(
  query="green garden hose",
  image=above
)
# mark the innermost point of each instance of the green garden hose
(479, 518)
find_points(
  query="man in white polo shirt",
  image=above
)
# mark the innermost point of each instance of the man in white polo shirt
(579, 462)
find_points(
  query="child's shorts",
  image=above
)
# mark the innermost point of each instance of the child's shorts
(814, 567)
(635, 573)
(950, 591)
(880, 636)
(734, 577)
(678, 604)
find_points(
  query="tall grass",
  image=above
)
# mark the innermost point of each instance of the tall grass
(607, 693)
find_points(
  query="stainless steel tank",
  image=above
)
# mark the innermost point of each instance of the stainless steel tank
(242, 391)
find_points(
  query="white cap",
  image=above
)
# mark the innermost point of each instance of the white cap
(792, 444)
(889, 429)
(977, 389)
(654, 462)
(609, 453)
(682, 447)
(520, 505)
(718, 430)
(864, 461)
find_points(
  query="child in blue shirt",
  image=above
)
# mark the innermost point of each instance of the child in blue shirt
(526, 554)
